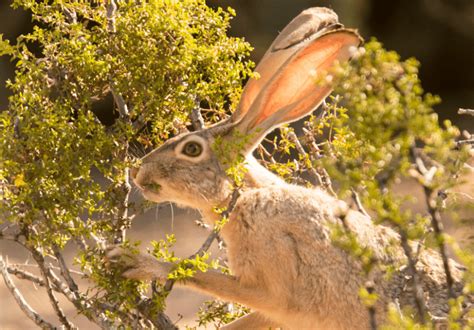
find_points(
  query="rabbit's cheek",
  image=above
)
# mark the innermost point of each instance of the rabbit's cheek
(151, 196)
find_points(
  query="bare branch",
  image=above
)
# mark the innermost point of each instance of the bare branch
(437, 224)
(78, 300)
(462, 111)
(419, 294)
(25, 275)
(119, 101)
(464, 142)
(49, 289)
(360, 207)
(264, 153)
(320, 174)
(207, 243)
(33, 315)
(436, 221)
(65, 272)
(111, 9)
(196, 117)
(370, 287)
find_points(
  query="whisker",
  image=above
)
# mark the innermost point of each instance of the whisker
(172, 216)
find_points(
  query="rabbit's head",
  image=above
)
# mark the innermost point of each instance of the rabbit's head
(186, 169)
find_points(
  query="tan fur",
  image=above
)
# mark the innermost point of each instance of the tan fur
(284, 264)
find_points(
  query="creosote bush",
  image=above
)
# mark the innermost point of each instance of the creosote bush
(64, 164)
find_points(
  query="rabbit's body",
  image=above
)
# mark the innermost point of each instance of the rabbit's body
(278, 239)
(284, 262)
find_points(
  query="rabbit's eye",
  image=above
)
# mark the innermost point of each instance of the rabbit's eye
(192, 149)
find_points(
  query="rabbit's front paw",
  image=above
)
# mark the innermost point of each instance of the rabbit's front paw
(137, 266)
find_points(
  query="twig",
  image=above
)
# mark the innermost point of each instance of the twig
(462, 111)
(319, 174)
(24, 275)
(33, 315)
(419, 295)
(264, 153)
(50, 266)
(111, 9)
(212, 236)
(435, 215)
(196, 117)
(80, 301)
(65, 270)
(360, 207)
(464, 142)
(49, 289)
(370, 287)
(119, 101)
(439, 234)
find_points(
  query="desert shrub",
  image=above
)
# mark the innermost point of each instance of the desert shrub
(97, 83)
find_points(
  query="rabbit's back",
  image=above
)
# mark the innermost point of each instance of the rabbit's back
(279, 238)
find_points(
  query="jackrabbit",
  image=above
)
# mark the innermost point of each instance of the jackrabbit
(284, 265)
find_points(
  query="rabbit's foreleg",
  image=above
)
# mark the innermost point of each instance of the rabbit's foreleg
(227, 287)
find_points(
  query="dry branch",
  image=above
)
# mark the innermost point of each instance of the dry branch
(32, 314)
(49, 290)
(462, 111)
(196, 117)
(212, 236)
(319, 173)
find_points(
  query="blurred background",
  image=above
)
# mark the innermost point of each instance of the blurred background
(439, 33)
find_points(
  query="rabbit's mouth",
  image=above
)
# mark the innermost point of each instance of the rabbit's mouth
(152, 187)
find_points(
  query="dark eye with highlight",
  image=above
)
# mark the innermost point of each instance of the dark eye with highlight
(192, 149)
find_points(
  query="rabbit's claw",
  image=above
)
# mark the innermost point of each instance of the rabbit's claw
(137, 266)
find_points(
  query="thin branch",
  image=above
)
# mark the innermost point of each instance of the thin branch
(437, 224)
(320, 174)
(111, 9)
(50, 266)
(370, 287)
(80, 301)
(417, 288)
(33, 315)
(49, 289)
(196, 117)
(435, 215)
(212, 236)
(25, 275)
(119, 101)
(462, 111)
(65, 272)
(264, 153)
(464, 142)
(360, 207)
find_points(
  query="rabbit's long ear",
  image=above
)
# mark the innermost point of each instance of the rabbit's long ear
(291, 92)
(294, 37)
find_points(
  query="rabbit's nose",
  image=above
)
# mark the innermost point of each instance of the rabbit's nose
(133, 172)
